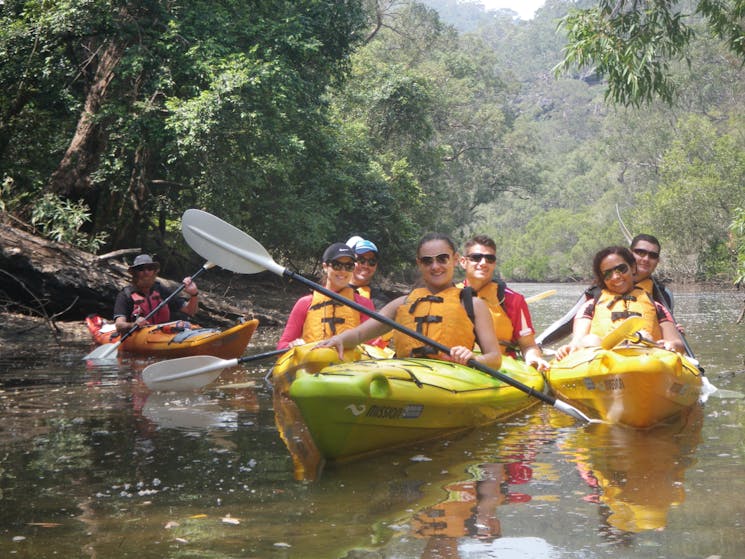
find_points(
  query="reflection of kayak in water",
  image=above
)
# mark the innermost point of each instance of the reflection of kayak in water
(369, 405)
(176, 339)
(195, 412)
(633, 385)
(637, 474)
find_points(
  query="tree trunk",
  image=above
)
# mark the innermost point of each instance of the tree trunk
(72, 178)
(59, 282)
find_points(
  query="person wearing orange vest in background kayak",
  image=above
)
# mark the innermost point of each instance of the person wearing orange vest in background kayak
(135, 301)
(316, 317)
(614, 268)
(366, 264)
(646, 251)
(512, 322)
(436, 310)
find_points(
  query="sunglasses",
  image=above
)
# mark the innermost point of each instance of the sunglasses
(443, 258)
(622, 268)
(477, 257)
(339, 266)
(368, 261)
(148, 267)
(644, 252)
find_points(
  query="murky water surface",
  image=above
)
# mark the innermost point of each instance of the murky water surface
(93, 465)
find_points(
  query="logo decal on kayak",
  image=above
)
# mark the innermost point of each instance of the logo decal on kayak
(356, 410)
(411, 411)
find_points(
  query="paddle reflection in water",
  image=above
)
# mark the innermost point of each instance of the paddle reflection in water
(636, 475)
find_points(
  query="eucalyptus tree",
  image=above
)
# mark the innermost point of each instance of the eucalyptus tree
(633, 42)
(140, 108)
(436, 104)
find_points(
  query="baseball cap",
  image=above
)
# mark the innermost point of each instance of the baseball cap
(336, 251)
(364, 246)
(354, 240)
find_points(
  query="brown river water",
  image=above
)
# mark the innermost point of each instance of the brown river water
(92, 465)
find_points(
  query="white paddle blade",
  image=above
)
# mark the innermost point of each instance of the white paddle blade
(225, 245)
(185, 373)
(105, 351)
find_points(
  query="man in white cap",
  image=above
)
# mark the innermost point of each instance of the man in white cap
(366, 258)
(136, 301)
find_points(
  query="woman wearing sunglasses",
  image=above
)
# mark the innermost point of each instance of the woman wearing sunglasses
(512, 322)
(435, 310)
(619, 299)
(317, 317)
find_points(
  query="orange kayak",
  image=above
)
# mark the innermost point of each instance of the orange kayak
(176, 339)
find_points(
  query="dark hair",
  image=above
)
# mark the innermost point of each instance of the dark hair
(644, 237)
(435, 237)
(623, 252)
(484, 240)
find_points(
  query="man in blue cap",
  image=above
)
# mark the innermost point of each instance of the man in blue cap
(366, 254)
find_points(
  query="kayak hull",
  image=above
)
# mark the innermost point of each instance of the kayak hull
(366, 406)
(176, 339)
(637, 386)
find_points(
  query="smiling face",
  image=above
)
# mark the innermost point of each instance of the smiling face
(647, 256)
(338, 279)
(364, 269)
(436, 262)
(618, 275)
(479, 271)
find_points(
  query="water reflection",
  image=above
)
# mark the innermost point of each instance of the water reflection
(637, 476)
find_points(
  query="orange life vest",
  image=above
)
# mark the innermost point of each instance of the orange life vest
(327, 317)
(440, 317)
(611, 309)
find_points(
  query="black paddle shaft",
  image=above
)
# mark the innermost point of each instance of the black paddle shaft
(421, 337)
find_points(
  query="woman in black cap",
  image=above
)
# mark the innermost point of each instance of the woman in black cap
(316, 317)
(136, 301)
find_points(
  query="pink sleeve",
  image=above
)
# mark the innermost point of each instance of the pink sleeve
(365, 302)
(295, 322)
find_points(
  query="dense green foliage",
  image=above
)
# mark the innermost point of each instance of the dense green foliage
(306, 121)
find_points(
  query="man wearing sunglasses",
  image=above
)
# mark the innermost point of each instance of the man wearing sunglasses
(646, 251)
(367, 258)
(136, 301)
(317, 317)
(512, 321)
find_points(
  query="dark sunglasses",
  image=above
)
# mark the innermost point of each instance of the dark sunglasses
(622, 268)
(368, 261)
(643, 252)
(477, 257)
(149, 267)
(443, 258)
(339, 266)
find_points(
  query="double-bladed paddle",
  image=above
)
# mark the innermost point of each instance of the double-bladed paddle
(105, 350)
(234, 250)
(192, 373)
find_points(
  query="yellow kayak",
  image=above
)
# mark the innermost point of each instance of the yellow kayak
(634, 385)
(367, 404)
